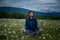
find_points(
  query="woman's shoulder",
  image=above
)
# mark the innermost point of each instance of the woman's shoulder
(27, 18)
(35, 18)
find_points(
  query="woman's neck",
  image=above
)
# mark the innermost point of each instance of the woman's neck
(31, 17)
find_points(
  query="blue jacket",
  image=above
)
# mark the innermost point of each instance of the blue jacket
(31, 24)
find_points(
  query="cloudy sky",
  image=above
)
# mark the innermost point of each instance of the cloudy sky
(36, 5)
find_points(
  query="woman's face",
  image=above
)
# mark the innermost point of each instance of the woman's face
(31, 14)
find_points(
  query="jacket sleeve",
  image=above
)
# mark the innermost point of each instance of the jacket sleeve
(36, 25)
(36, 22)
(26, 24)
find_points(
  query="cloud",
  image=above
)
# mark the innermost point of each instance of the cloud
(36, 5)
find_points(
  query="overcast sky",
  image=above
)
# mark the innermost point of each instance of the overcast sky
(36, 5)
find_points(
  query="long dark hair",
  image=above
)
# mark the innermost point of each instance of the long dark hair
(29, 13)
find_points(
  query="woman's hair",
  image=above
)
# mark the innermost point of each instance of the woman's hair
(29, 13)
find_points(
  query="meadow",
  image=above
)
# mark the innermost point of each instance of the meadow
(10, 30)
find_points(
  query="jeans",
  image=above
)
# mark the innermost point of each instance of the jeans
(31, 32)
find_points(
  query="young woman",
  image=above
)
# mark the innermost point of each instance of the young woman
(31, 24)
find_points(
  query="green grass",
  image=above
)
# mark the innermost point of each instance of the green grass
(10, 30)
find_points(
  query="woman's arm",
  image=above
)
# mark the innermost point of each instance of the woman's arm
(26, 24)
(36, 24)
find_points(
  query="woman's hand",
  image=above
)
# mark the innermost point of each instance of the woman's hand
(41, 29)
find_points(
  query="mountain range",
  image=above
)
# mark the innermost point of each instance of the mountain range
(25, 11)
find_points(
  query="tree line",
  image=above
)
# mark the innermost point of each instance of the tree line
(18, 15)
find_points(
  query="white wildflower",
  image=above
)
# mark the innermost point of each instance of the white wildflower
(59, 34)
(9, 28)
(9, 31)
(54, 36)
(12, 36)
(0, 24)
(56, 28)
(43, 37)
(51, 38)
(39, 37)
(22, 37)
(16, 36)
(6, 34)
(5, 30)
(47, 34)
(7, 38)
(5, 25)
(13, 32)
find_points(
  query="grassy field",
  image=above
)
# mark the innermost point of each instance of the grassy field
(10, 30)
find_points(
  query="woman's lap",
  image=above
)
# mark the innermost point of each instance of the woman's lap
(33, 32)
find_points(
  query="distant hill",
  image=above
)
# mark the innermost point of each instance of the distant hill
(25, 11)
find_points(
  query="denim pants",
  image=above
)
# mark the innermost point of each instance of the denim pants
(31, 32)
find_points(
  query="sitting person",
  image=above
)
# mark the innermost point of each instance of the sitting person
(31, 24)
